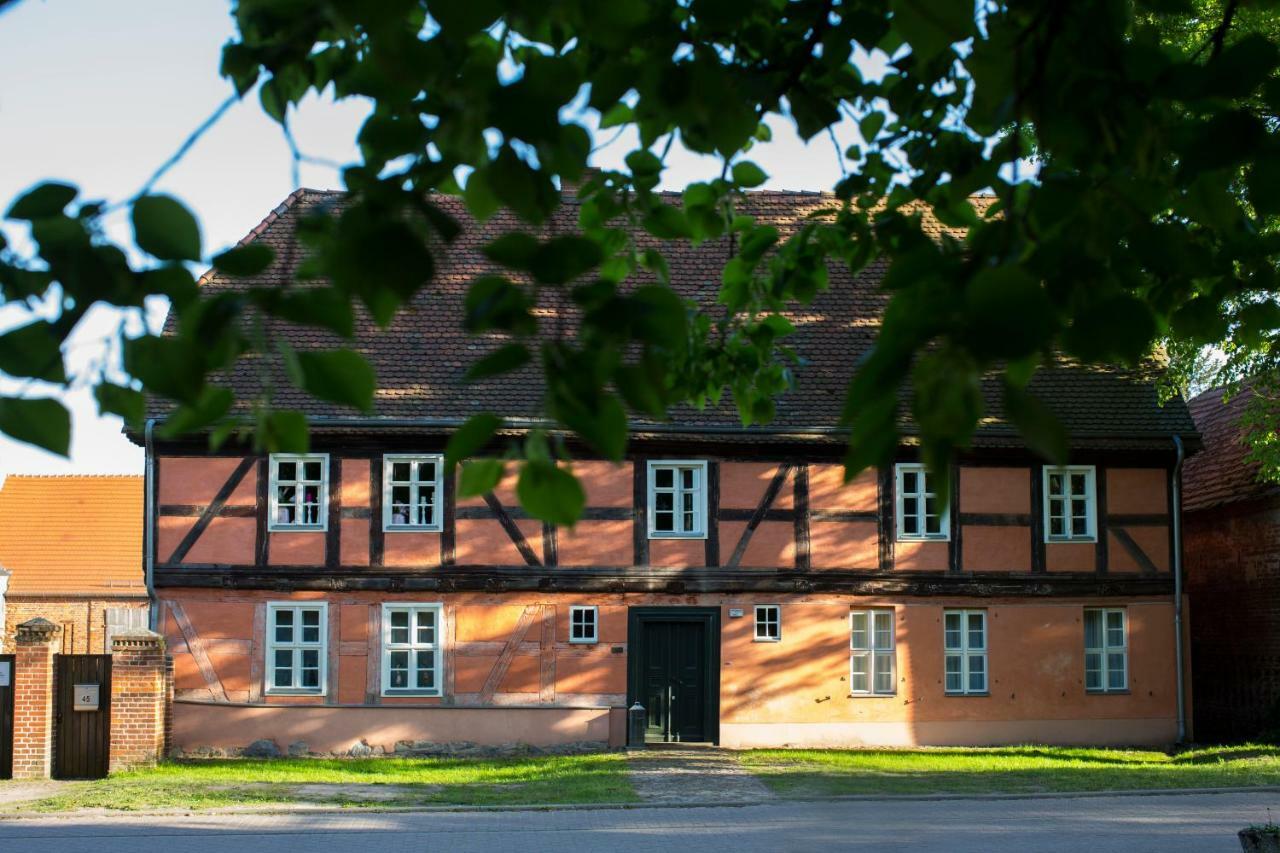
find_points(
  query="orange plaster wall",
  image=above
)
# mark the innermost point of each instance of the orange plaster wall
(679, 553)
(1137, 490)
(772, 545)
(595, 543)
(605, 483)
(995, 490)
(405, 548)
(827, 489)
(197, 479)
(355, 482)
(292, 548)
(505, 491)
(1154, 541)
(743, 484)
(930, 556)
(355, 542)
(1070, 556)
(842, 545)
(225, 540)
(484, 542)
(990, 549)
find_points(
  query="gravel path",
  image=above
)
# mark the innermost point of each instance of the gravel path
(693, 775)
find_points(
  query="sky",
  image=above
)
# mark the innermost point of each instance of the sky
(101, 94)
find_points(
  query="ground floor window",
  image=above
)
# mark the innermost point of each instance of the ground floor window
(411, 649)
(965, 649)
(296, 648)
(768, 623)
(1106, 650)
(871, 661)
(584, 623)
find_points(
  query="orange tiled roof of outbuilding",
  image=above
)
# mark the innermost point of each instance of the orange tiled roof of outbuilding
(72, 535)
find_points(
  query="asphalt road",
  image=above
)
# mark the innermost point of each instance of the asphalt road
(1202, 823)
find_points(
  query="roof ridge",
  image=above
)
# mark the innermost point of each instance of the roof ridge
(261, 228)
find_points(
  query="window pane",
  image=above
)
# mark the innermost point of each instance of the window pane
(400, 471)
(688, 477)
(955, 681)
(1057, 526)
(977, 673)
(884, 673)
(398, 666)
(664, 521)
(859, 624)
(1093, 629)
(884, 629)
(1115, 671)
(1079, 526)
(287, 471)
(953, 631)
(426, 627)
(1077, 484)
(689, 524)
(910, 482)
(1115, 628)
(911, 507)
(1093, 671)
(400, 627)
(1055, 484)
(427, 471)
(426, 665)
(310, 658)
(977, 640)
(664, 502)
(664, 478)
(310, 634)
(311, 470)
(858, 673)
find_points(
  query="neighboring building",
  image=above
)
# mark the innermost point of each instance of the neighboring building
(1233, 579)
(72, 547)
(723, 577)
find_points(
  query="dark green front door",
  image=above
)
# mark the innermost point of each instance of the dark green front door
(674, 672)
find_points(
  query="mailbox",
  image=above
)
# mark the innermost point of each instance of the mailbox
(85, 697)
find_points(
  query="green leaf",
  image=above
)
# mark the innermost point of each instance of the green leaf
(493, 302)
(930, 26)
(40, 421)
(479, 477)
(515, 249)
(213, 404)
(470, 438)
(1119, 328)
(317, 306)
(1041, 428)
(502, 360)
(1008, 312)
(1264, 186)
(562, 259)
(339, 376)
(125, 402)
(870, 126)
(244, 260)
(550, 493)
(285, 431)
(748, 174)
(47, 199)
(164, 228)
(32, 351)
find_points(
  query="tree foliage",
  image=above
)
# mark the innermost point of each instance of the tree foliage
(1151, 124)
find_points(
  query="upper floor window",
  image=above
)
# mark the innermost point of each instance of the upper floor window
(412, 491)
(871, 656)
(1106, 651)
(1070, 504)
(411, 649)
(678, 500)
(920, 513)
(296, 645)
(965, 655)
(584, 623)
(768, 623)
(299, 491)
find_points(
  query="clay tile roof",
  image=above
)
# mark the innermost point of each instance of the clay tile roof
(72, 535)
(421, 357)
(1220, 473)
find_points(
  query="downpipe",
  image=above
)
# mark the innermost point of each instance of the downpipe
(149, 523)
(1179, 664)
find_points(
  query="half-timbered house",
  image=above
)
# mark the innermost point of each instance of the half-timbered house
(725, 578)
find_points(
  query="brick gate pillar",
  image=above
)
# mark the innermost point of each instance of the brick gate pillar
(139, 699)
(35, 644)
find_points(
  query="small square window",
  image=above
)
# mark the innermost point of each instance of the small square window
(678, 500)
(768, 623)
(584, 624)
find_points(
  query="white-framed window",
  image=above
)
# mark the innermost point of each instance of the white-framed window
(584, 623)
(296, 647)
(871, 653)
(920, 512)
(412, 491)
(1070, 505)
(299, 491)
(768, 623)
(1106, 650)
(411, 653)
(965, 650)
(678, 499)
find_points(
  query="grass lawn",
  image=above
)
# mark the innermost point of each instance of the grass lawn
(352, 782)
(1020, 769)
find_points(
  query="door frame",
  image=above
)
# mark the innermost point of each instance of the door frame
(637, 617)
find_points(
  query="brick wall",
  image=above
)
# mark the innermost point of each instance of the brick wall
(36, 644)
(83, 620)
(1233, 580)
(140, 686)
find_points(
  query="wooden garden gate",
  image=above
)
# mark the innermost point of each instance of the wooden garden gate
(82, 716)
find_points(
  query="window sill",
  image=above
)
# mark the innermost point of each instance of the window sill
(694, 536)
(766, 639)
(410, 694)
(1124, 692)
(924, 539)
(1075, 540)
(873, 695)
(285, 691)
(408, 528)
(574, 642)
(950, 695)
(297, 528)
